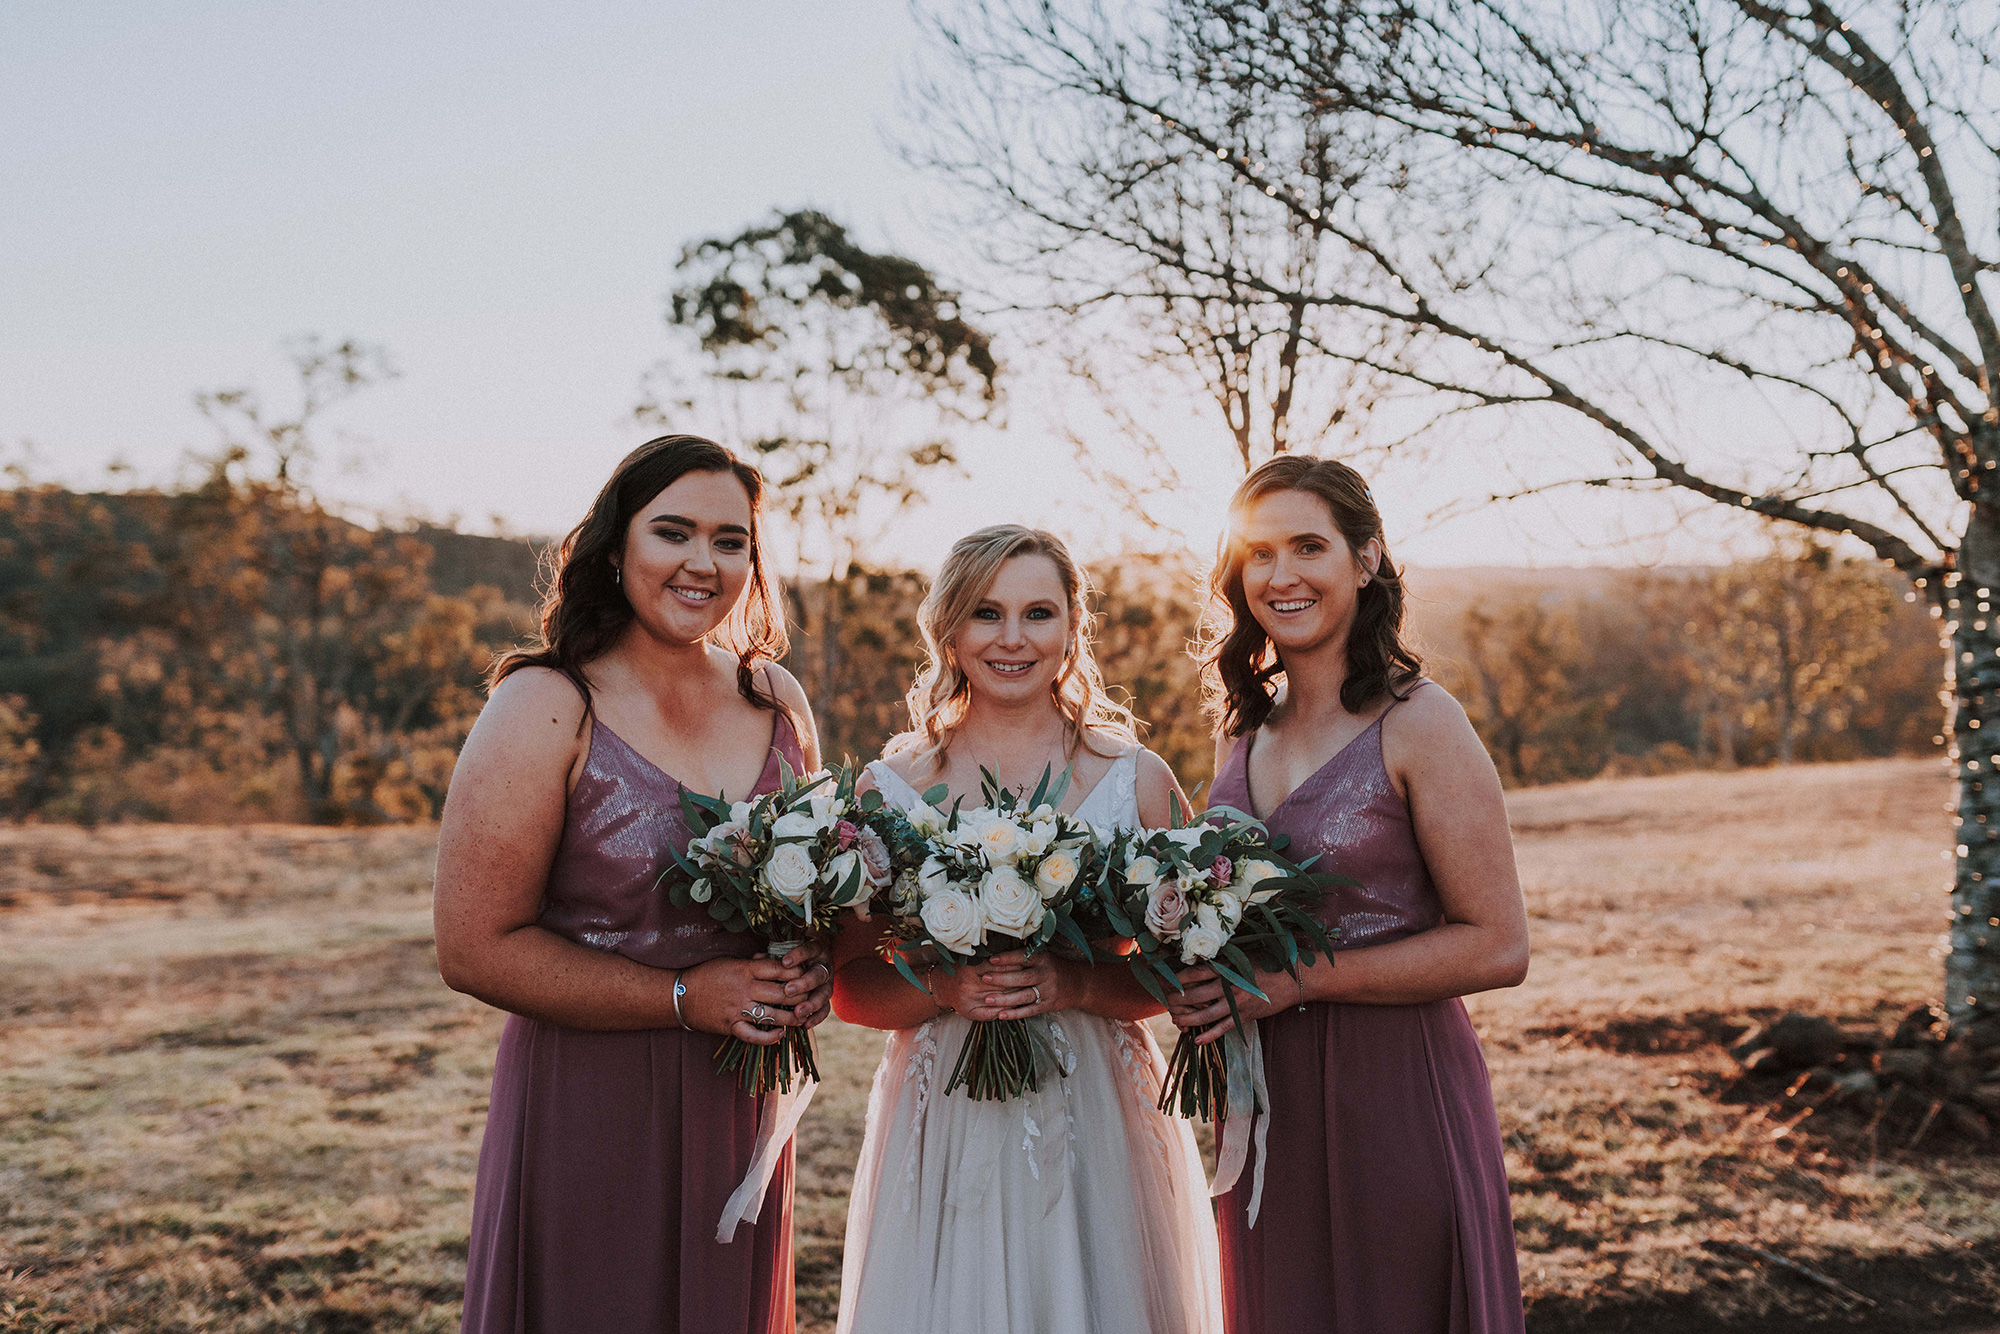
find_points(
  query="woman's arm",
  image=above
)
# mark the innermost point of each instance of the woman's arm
(868, 990)
(1158, 789)
(1460, 821)
(503, 819)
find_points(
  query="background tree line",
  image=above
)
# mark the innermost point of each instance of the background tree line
(233, 650)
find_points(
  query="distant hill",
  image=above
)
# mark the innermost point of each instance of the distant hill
(461, 560)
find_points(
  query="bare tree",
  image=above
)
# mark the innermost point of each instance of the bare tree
(843, 370)
(1730, 250)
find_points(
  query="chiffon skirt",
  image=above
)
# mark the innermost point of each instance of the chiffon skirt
(1385, 1205)
(1077, 1209)
(607, 1160)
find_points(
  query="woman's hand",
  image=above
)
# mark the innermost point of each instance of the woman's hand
(1201, 1003)
(729, 997)
(813, 987)
(1020, 986)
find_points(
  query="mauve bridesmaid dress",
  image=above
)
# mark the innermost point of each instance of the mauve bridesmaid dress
(608, 1156)
(1385, 1210)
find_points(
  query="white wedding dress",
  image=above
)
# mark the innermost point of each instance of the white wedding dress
(1077, 1209)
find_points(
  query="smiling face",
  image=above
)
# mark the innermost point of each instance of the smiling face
(1011, 647)
(1300, 577)
(687, 556)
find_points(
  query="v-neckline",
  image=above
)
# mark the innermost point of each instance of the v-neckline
(1250, 742)
(770, 753)
(1102, 779)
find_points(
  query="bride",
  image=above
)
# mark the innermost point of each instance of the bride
(1078, 1208)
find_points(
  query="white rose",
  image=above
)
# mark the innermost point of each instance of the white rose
(1229, 907)
(1013, 906)
(1056, 873)
(1205, 938)
(790, 873)
(837, 871)
(1002, 841)
(1186, 838)
(1042, 813)
(1040, 835)
(1142, 871)
(700, 890)
(933, 878)
(952, 917)
(1250, 873)
(794, 824)
(739, 813)
(825, 810)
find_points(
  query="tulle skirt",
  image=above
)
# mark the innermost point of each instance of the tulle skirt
(1077, 1209)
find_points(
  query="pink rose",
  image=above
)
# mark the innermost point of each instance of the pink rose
(1166, 908)
(844, 835)
(1221, 871)
(874, 857)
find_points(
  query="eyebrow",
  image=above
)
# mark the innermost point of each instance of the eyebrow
(685, 522)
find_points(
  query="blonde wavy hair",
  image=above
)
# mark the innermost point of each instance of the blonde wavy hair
(941, 694)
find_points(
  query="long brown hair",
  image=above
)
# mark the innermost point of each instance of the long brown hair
(1239, 668)
(584, 608)
(940, 696)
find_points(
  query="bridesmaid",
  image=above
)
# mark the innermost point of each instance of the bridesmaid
(1390, 1211)
(612, 1143)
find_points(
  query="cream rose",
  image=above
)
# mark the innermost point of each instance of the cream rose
(1142, 871)
(1205, 939)
(790, 873)
(1252, 872)
(1056, 873)
(952, 917)
(1013, 906)
(1166, 908)
(1002, 841)
(933, 878)
(1188, 837)
(1229, 907)
(795, 824)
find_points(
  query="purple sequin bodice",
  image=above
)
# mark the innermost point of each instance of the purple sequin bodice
(1349, 813)
(622, 818)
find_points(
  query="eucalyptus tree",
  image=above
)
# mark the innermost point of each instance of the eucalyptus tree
(1736, 251)
(845, 371)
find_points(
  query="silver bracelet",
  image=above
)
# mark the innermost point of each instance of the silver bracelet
(680, 990)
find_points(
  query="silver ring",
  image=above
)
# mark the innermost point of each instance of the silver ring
(1038, 995)
(757, 1012)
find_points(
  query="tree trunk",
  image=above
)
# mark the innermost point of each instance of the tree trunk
(1972, 971)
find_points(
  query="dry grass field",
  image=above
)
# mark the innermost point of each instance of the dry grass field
(234, 1095)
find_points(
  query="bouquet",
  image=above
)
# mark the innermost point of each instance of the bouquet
(1004, 876)
(784, 866)
(1221, 894)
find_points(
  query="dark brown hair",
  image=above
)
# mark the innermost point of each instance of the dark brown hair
(1239, 668)
(584, 609)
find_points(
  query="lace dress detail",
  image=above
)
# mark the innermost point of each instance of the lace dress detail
(1077, 1209)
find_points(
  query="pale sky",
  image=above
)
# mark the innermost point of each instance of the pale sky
(497, 195)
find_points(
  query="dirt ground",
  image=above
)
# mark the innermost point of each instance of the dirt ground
(235, 1097)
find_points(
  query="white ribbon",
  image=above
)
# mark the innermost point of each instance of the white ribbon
(776, 1121)
(780, 1117)
(1246, 1111)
